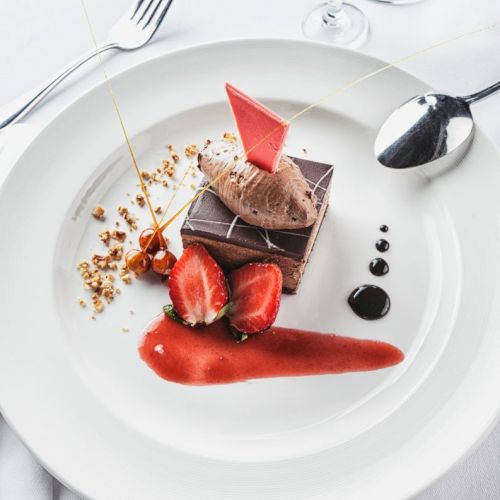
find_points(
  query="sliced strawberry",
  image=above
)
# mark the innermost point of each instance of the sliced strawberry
(255, 296)
(197, 286)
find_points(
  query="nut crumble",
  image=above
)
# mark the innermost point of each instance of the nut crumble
(105, 237)
(130, 219)
(125, 276)
(104, 270)
(191, 150)
(173, 153)
(99, 212)
(118, 235)
(168, 168)
(116, 251)
(139, 198)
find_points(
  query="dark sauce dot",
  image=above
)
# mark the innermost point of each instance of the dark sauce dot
(379, 267)
(384, 228)
(382, 245)
(369, 302)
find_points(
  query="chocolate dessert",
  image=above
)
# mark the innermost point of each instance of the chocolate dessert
(233, 242)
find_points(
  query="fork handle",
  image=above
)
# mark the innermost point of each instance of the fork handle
(22, 106)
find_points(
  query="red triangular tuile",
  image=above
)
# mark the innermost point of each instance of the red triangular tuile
(261, 131)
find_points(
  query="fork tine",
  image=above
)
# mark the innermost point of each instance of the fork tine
(159, 14)
(162, 14)
(151, 13)
(133, 10)
(142, 10)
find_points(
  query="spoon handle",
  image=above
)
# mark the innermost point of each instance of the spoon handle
(482, 93)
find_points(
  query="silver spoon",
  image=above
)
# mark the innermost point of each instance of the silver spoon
(431, 129)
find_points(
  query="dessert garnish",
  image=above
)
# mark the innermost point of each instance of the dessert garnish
(255, 296)
(163, 262)
(99, 212)
(138, 261)
(200, 295)
(191, 150)
(209, 355)
(153, 254)
(379, 267)
(280, 200)
(382, 245)
(254, 122)
(369, 302)
(128, 217)
(152, 241)
(198, 287)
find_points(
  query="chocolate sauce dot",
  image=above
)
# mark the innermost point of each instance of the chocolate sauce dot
(369, 302)
(382, 245)
(379, 267)
(384, 228)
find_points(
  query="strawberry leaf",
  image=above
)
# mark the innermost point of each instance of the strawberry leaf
(223, 311)
(170, 312)
(238, 336)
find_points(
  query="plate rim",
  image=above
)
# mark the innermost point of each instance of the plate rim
(475, 439)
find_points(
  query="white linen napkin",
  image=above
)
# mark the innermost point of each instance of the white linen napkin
(21, 477)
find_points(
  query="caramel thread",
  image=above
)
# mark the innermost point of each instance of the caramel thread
(120, 119)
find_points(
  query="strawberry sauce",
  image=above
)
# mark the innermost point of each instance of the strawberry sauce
(210, 355)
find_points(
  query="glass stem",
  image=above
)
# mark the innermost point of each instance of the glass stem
(335, 16)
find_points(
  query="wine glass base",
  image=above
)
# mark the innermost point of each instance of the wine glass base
(352, 33)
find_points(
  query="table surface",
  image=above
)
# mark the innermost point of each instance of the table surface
(38, 38)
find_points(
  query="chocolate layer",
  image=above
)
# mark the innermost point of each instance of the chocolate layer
(209, 218)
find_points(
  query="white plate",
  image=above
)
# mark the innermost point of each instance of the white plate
(97, 417)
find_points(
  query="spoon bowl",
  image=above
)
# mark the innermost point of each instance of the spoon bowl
(432, 129)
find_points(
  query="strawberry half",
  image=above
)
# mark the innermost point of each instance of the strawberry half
(255, 296)
(197, 286)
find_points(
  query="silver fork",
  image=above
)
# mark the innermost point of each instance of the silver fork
(134, 30)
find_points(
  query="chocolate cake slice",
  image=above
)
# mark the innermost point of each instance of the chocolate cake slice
(233, 242)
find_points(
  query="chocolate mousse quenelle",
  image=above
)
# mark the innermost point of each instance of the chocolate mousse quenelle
(279, 200)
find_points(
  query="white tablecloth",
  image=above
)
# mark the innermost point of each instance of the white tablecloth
(37, 38)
